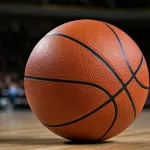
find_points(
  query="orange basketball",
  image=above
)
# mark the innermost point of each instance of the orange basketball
(86, 80)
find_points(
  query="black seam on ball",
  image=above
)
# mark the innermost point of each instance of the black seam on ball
(125, 57)
(127, 83)
(88, 84)
(69, 81)
(104, 62)
(114, 120)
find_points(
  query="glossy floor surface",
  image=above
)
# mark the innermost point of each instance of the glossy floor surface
(20, 130)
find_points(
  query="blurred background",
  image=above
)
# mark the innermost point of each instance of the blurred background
(24, 22)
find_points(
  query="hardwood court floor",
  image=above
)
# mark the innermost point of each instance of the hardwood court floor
(22, 131)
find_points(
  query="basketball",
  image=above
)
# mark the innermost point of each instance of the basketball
(86, 80)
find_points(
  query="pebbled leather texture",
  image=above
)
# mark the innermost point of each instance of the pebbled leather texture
(93, 80)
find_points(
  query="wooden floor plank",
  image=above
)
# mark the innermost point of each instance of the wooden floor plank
(21, 130)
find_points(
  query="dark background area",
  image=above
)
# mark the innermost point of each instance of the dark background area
(24, 23)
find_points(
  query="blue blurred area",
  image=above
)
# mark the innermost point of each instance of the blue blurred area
(24, 22)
